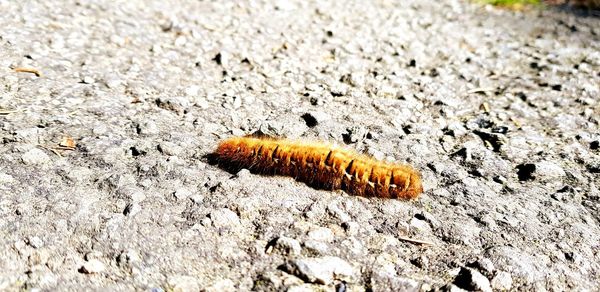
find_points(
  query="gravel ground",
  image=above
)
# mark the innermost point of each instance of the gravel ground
(499, 110)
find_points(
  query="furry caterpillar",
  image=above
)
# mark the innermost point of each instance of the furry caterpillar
(320, 166)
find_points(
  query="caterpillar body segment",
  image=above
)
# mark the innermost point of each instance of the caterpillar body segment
(320, 166)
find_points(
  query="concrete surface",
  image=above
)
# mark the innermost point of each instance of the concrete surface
(499, 110)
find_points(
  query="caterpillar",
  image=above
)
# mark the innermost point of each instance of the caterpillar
(320, 166)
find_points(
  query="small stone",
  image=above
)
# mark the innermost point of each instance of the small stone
(237, 102)
(128, 257)
(38, 257)
(237, 132)
(357, 79)
(455, 129)
(224, 218)
(35, 156)
(197, 199)
(35, 242)
(485, 265)
(420, 225)
(180, 41)
(113, 82)
(192, 90)
(322, 270)
(100, 130)
(354, 134)
(288, 245)
(88, 80)
(548, 170)
(148, 128)
(177, 104)
(182, 193)
(243, 174)
(6, 178)
(472, 280)
(387, 92)
(170, 148)
(351, 227)
(316, 247)
(131, 209)
(376, 153)
(502, 281)
(201, 103)
(543, 170)
(321, 234)
(92, 266)
(137, 196)
(334, 210)
(92, 255)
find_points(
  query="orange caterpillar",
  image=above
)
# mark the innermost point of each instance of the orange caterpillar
(320, 166)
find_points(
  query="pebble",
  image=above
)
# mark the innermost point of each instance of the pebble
(288, 245)
(131, 209)
(321, 234)
(88, 80)
(92, 266)
(113, 82)
(502, 281)
(472, 280)
(351, 228)
(177, 104)
(548, 170)
(314, 246)
(419, 225)
(224, 218)
(354, 134)
(148, 128)
(243, 174)
(6, 178)
(170, 148)
(35, 156)
(128, 257)
(192, 90)
(182, 193)
(485, 265)
(35, 242)
(334, 210)
(323, 270)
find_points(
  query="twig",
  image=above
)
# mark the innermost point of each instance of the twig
(29, 70)
(416, 241)
(7, 111)
(481, 89)
(50, 149)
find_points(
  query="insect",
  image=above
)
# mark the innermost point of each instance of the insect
(321, 166)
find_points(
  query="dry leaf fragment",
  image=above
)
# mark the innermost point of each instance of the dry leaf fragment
(67, 143)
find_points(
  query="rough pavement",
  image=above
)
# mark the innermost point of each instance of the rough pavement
(499, 110)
